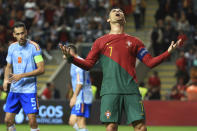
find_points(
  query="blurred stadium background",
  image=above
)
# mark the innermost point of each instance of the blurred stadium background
(169, 90)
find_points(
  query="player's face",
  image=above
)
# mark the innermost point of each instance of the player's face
(20, 34)
(116, 16)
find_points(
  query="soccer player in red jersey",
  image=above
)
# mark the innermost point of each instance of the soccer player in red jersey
(117, 53)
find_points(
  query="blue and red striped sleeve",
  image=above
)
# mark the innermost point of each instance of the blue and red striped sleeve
(144, 56)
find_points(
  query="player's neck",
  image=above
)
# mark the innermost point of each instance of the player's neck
(117, 28)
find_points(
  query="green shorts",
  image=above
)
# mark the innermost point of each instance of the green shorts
(113, 105)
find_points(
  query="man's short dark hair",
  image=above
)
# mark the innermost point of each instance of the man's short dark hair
(73, 47)
(19, 24)
(114, 7)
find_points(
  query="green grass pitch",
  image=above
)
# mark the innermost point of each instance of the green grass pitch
(101, 128)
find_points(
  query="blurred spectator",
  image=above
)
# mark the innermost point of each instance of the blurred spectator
(54, 21)
(191, 17)
(183, 23)
(195, 7)
(30, 12)
(193, 75)
(154, 87)
(192, 88)
(178, 91)
(180, 18)
(89, 34)
(195, 37)
(159, 15)
(181, 64)
(97, 18)
(49, 45)
(136, 4)
(47, 93)
(63, 33)
(195, 60)
(192, 92)
(76, 31)
(186, 4)
(71, 11)
(50, 92)
(94, 90)
(56, 93)
(3, 94)
(93, 87)
(3, 55)
(1, 81)
(100, 31)
(39, 17)
(3, 18)
(49, 12)
(143, 11)
(143, 90)
(59, 11)
(169, 34)
(175, 19)
(157, 37)
(174, 5)
(54, 35)
(2, 34)
(190, 56)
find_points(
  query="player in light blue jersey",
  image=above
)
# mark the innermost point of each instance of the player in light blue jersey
(82, 97)
(24, 63)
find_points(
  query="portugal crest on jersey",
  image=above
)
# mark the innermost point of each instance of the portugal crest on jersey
(108, 114)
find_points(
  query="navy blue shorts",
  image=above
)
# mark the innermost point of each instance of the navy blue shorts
(27, 101)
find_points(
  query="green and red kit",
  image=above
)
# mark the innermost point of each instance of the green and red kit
(117, 54)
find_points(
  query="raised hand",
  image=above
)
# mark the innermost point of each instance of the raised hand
(65, 51)
(174, 45)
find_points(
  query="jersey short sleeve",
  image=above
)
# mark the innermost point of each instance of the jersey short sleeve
(80, 77)
(9, 56)
(37, 51)
(141, 50)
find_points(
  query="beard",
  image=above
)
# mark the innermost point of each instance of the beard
(22, 42)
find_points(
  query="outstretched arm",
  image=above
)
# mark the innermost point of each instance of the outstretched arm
(154, 61)
(87, 63)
